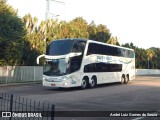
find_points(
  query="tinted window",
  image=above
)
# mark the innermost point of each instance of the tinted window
(127, 53)
(79, 46)
(131, 55)
(103, 67)
(60, 47)
(75, 63)
(94, 48)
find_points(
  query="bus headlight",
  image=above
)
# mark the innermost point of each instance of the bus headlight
(46, 79)
(64, 78)
(66, 83)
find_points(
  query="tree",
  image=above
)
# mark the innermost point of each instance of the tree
(30, 23)
(150, 55)
(11, 36)
(34, 40)
(113, 41)
(52, 30)
(78, 28)
(103, 34)
(63, 30)
(129, 45)
(92, 30)
(156, 59)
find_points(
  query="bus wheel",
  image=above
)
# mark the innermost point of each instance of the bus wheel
(84, 84)
(122, 79)
(126, 80)
(92, 83)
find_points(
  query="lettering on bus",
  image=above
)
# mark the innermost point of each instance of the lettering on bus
(104, 58)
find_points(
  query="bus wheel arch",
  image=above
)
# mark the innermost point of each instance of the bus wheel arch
(85, 82)
(93, 81)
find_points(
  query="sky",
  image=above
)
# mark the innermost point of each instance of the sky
(136, 21)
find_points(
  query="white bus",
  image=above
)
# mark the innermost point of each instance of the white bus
(86, 63)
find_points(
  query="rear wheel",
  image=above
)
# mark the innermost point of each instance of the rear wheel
(92, 83)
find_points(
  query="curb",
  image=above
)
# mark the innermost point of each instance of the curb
(16, 84)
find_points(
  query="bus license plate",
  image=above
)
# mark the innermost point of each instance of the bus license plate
(53, 84)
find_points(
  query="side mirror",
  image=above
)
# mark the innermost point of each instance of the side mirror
(67, 58)
(71, 55)
(75, 54)
(39, 57)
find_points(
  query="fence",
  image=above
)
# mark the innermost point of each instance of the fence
(20, 74)
(147, 72)
(18, 108)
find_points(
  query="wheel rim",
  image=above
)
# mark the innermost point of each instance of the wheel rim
(127, 79)
(122, 79)
(84, 84)
(92, 83)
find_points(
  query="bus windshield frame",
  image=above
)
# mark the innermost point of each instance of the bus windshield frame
(60, 47)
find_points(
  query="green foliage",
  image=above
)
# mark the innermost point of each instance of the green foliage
(78, 28)
(34, 40)
(103, 34)
(92, 30)
(113, 41)
(38, 37)
(22, 40)
(99, 33)
(11, 36)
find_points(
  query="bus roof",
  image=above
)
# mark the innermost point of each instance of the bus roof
(93, 41)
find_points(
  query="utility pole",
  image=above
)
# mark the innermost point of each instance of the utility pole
(49, 14)
(48, 8)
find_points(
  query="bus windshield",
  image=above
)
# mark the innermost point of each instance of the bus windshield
(60, 47)
(62, 66)
(56, 67)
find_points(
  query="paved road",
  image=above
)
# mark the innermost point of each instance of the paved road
(142, 94)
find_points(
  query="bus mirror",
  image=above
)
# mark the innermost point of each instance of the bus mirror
(72, 55)
(75, 54)
(39, 57)
(66, 59)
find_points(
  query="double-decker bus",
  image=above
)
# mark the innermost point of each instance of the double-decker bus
(86, 63)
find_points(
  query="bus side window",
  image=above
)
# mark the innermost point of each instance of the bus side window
(91, 49)
(79, 46)
(75, 47)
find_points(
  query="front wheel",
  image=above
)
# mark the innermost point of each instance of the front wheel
(122, 79)
(126, 80)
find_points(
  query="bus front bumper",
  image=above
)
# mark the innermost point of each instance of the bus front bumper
(56, 84)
